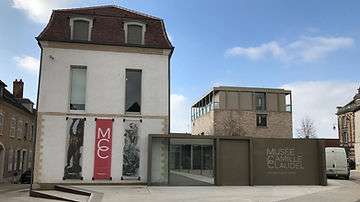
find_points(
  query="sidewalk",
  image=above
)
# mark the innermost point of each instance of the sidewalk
(337, 190)
(13, 187)
(228, 193)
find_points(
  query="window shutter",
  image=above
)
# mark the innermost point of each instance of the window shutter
(81, 30)
(134, 34)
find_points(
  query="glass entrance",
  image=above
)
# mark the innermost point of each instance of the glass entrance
(191, 162)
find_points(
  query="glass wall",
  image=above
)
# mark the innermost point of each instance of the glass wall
(191, 162)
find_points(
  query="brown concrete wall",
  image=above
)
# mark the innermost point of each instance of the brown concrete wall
(232, 100)
(282, 102)
(245, 100)
(263, 161)
(272, 102)
(16, 143)
(203, 124)
(279, 124)
(288, 162)
(260, 161)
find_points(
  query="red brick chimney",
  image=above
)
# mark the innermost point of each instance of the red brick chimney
(18, 88)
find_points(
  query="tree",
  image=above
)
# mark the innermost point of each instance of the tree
(230, 126)
(307, 129)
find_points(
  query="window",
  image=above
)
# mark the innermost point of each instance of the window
(133, 91)
(19, 127)
(261, 120)
(16, 155)
(134, 33)
(344, 122)
(345, 137)
(30, 159)
(78, 88)
(13, 127)
(2, 123)
(32, 133)
(10, 160)
(260, 101)
(23, 160)
(26, 130)
(81, 29)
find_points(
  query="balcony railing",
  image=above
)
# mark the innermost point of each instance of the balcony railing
(200, 111)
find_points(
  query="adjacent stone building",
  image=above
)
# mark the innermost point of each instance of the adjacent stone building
(243, 111)
(349, 127)
(104, 86)
(17, 119)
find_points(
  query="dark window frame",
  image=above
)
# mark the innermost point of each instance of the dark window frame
(72, 106)
(127, 111)
(258, 95)
(142, 32)
(73, 27)
(262, 120)
(138, 42)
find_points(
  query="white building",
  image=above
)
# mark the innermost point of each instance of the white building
(357, 139)
(104, 75)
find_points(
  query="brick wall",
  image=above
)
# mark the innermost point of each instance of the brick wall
(279, 124)
(203, 124)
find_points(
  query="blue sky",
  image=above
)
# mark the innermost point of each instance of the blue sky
(309, 47)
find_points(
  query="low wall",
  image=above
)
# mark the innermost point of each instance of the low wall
(288, 162)
(248, 161)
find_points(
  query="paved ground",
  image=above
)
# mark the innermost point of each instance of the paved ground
(17, 193)
(232, 193)
(337, 190)
(13, 187)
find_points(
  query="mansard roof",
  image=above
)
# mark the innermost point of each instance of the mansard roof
(108, 26)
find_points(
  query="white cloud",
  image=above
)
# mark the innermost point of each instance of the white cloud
(39, 10)
(27, 62)
(318, 100)
(268, 49)
(305, 49)
(180, 113)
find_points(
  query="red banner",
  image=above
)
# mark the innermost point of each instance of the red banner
(103, 143)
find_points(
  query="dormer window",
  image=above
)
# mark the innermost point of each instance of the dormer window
(81, 29)
(134, 33)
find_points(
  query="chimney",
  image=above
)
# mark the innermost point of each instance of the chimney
(18, 87)
(2, 88)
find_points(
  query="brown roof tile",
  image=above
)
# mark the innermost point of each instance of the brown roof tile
(108, 23)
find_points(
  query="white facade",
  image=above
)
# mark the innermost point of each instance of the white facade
(105, 98)
(357, 140)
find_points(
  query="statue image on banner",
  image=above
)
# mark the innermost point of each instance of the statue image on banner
(75, 130)
(131, 152)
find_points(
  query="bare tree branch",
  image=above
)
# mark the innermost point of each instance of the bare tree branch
(307, 129)
(230, 126)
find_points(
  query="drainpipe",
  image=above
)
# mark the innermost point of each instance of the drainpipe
(36, 119)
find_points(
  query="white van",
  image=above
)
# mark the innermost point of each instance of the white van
(336, 162)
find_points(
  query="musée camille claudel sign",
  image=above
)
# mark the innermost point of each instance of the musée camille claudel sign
(283, 158)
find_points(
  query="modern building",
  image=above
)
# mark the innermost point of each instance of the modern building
(17, 119)
(243, 111)
(103, 87)
(349, 127)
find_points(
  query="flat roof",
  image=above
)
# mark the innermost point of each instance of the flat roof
(243, 89)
